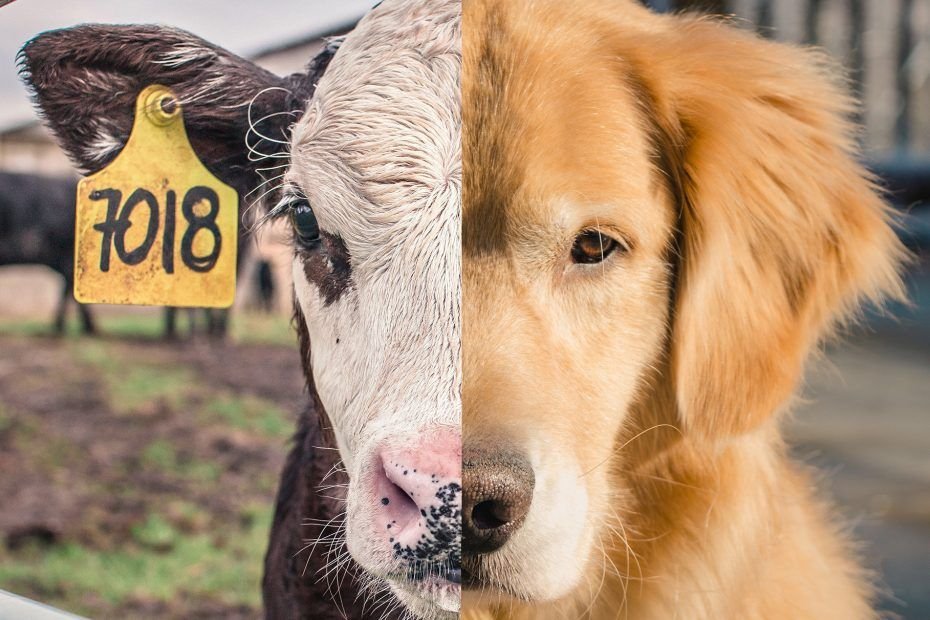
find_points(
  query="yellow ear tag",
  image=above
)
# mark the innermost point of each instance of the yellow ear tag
(155, 227)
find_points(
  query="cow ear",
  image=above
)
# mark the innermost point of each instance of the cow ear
(85, 81)
(783, 233)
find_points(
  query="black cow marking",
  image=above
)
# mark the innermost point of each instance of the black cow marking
(328, 266)
(37, 228)
(438, 552)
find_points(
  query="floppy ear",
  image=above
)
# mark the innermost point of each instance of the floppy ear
(783, 233)
(85, 81)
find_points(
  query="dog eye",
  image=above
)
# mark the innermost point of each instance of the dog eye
(303, 220)
(593, 246)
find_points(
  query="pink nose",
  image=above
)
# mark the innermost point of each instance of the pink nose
(418, 494)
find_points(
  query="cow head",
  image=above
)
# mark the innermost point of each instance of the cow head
(365, 161)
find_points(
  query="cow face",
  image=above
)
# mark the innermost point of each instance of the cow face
(365, 161)
(374, 193)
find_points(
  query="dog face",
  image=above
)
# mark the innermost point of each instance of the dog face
(661, 216)
(566, 270)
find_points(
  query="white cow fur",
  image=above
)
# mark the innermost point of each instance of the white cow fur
(378, 155)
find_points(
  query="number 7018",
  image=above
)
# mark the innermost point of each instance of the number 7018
(118, 221)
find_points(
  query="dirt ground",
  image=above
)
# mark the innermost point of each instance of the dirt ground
(138, 475)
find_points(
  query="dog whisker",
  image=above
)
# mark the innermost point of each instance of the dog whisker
(628, 442)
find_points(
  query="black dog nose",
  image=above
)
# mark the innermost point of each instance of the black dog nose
(498, 491)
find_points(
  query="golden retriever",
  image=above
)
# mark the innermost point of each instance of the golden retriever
(663, 218)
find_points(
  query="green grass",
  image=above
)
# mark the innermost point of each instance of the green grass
(161, 455)
(6, 420)
(156, 533)
(137, 325)
(248, 328)
(148, 325)
(184, 549)
(49, 453)
(250, 413)
(31, 327)
(160, 565)
(136, 385)
(132, 383)
(245, 327)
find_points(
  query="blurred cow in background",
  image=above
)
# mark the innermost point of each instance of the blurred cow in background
(266, 286)
(37, 228)
(215, 322)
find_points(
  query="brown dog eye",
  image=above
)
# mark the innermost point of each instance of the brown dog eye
(593, 246)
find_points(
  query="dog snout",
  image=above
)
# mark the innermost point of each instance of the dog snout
(417, 496)
(498, 492)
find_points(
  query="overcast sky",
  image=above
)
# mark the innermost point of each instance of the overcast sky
(240, 26)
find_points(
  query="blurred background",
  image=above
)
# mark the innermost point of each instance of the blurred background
(138, 465)
(865, 419)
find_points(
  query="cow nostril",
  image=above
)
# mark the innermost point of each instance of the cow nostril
(400, 500)
(490, 515)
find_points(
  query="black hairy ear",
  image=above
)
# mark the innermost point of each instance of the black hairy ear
(85, 81)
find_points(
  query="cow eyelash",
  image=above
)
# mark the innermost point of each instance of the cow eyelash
(303, 220)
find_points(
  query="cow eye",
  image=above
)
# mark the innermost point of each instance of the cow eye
(303, 220)
(593, 246)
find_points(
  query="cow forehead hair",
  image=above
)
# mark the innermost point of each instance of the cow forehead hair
(379, 145)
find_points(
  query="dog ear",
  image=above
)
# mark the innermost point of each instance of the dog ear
(783, 234)
(85, 81)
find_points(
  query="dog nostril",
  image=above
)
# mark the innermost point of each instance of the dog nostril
(497, 492)
(489, 515)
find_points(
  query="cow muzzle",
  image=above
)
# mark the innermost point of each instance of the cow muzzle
(416, 490)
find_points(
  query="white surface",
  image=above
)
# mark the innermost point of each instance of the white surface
(13, 607)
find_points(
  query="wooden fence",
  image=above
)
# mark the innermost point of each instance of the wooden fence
(884, 44)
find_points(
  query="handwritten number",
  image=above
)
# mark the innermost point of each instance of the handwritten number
(108, 226)
(196, 223)
(167, 248)
(118, 221)
(124, 223)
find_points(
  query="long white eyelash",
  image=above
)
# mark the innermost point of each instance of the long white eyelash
(282, 206)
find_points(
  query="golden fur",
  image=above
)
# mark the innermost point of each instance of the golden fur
(654, 381)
